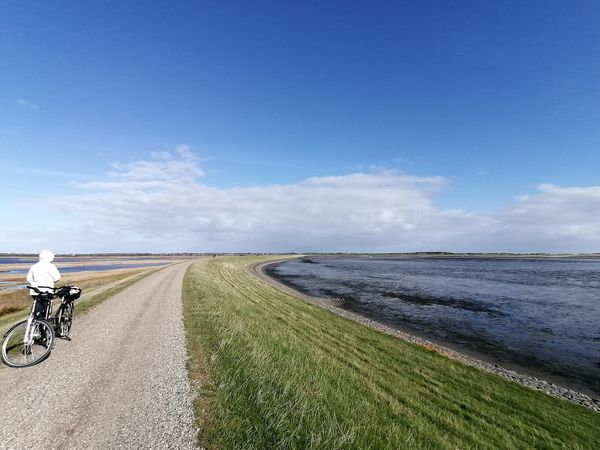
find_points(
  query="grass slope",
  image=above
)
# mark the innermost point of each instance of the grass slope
(274, 372)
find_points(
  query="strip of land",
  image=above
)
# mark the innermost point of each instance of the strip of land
(274, 372)
(14, 273)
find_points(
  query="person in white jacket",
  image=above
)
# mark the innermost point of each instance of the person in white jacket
(43, 273)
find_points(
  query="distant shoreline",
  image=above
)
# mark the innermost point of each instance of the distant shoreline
(593, 255)
(467, 255)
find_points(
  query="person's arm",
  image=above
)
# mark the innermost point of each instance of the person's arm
(55, 274)
(30, 279)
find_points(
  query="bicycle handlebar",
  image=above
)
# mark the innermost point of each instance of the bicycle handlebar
(37, 289)
(56, 290)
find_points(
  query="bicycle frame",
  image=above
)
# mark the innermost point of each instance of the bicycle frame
(28, 337)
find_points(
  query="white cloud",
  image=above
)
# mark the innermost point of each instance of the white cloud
(556, 218)
(27, 104)
(164, 204)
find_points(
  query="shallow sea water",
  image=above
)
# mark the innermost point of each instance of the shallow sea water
(540, 315)
(90, 267)
(93, 265)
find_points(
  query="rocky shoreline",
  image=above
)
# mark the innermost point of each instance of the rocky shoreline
(532, 382)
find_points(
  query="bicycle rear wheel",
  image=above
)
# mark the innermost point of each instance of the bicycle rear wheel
(65, 321)
(20, 350)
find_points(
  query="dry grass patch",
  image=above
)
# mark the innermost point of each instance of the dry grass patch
(97, 287)
(19, 300)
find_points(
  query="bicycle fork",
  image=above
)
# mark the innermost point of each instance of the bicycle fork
(30, 329)
(28, 338)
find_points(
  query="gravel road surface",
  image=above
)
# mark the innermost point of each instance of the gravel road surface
(120, 383)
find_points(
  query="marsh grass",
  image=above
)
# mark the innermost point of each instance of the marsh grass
(96, 289)
(14, 301)
(18, 300)
(274, 372)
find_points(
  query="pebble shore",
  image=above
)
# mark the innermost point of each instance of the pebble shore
(532, 382)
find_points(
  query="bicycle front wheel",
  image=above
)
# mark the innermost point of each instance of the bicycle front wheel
(23, 348)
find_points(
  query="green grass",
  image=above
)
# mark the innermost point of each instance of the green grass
(274, 372)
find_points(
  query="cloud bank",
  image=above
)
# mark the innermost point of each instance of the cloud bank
(162, 204)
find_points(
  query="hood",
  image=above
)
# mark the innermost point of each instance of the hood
(46, 255)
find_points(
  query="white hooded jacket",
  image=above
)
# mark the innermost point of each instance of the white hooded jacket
(43, 273)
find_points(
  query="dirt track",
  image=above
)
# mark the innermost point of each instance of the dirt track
(120, 383)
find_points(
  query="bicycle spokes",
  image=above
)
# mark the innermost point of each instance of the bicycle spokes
(27, 344)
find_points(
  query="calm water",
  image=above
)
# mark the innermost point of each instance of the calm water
(60, 262)
(89, 267)
(60, 259)
(540, 315)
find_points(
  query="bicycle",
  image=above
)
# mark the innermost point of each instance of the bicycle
(30, 342)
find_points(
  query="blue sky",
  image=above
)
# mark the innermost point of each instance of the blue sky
(494, 99)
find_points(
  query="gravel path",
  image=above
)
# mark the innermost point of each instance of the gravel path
(120, 383)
